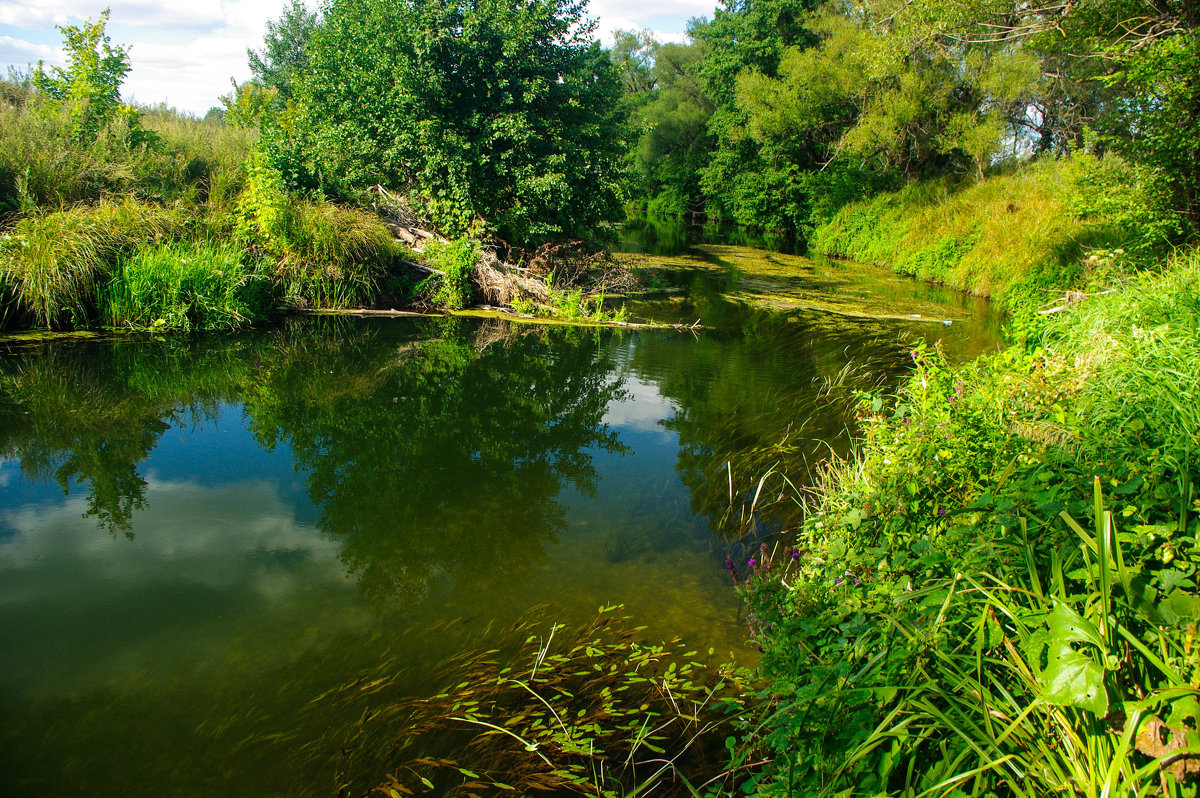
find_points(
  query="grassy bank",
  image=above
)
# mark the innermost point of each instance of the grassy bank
(161, 221)
(997, 596)
(1046, 224)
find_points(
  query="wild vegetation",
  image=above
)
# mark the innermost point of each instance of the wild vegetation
(995, 594)
(776, 113)
(87, 182)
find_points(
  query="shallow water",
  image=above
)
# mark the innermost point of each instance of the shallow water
(200, 535)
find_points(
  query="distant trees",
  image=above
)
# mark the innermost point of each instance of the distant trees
(810, 103)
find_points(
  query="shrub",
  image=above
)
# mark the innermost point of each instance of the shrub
(456, 260)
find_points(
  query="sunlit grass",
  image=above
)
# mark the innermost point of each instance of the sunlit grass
(181, 287)
(54, 265)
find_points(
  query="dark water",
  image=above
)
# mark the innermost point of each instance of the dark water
(200, 535)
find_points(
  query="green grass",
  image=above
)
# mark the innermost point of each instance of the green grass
(997, 594)
(41, 166)
(180, 287)
(53, 265)
(330, 255)
(1012, 234)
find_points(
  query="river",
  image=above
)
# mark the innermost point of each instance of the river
(200, 535)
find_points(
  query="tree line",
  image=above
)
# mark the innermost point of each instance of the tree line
(776, 112)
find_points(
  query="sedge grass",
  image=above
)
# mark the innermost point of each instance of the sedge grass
(43, 166)
(181, 287)
(55, 264)
(327, 255)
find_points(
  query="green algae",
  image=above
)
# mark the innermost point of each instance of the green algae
(792, 282)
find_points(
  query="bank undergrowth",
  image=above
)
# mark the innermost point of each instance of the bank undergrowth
(997, 595)
(1043, 225)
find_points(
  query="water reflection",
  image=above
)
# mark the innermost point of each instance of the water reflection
(252, 520)
(440, 454)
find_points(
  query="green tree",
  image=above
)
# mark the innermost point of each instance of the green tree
(284, 55)
(90, 85)
(668, 116)
(490, 113)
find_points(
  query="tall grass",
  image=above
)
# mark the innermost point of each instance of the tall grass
(1137, 355)
(1013, 233)
(54, 265)
(43, 166)
(181, 287)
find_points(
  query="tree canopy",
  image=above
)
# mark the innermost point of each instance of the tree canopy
(490, 114)
(810, 104)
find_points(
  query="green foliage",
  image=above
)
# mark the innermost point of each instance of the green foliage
(249, 104)
(177, 287)
(668, 116)
(456, 260)
(90, 85)
(479, 111)
(946, 619)
(316, 253)
(55, 264)
(284, 56)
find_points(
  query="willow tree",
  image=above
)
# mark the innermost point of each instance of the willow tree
(501, 114)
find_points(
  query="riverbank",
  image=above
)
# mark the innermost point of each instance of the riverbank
(997, 593)
(1077, 222)
(164, 222)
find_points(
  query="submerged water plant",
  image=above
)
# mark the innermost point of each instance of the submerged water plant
(590, 711)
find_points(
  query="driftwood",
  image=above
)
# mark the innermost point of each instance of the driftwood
(494, 281)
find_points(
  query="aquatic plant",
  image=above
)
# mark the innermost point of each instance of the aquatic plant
(589, 711)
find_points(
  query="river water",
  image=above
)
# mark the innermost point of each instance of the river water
(201, 534)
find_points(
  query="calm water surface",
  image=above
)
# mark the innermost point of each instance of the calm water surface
(200, 535)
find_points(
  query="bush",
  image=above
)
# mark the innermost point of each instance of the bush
(456, 260)
(179, 287)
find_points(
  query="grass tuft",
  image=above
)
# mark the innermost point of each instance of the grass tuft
(54, 265)
(179, 287)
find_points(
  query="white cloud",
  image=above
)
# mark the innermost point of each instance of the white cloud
(184, 52)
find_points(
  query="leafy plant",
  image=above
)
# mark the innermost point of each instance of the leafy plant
(90, 85)
(456, 260)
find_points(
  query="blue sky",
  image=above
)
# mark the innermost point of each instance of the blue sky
(184, 52)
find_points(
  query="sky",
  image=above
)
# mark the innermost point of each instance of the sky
(185, 52)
